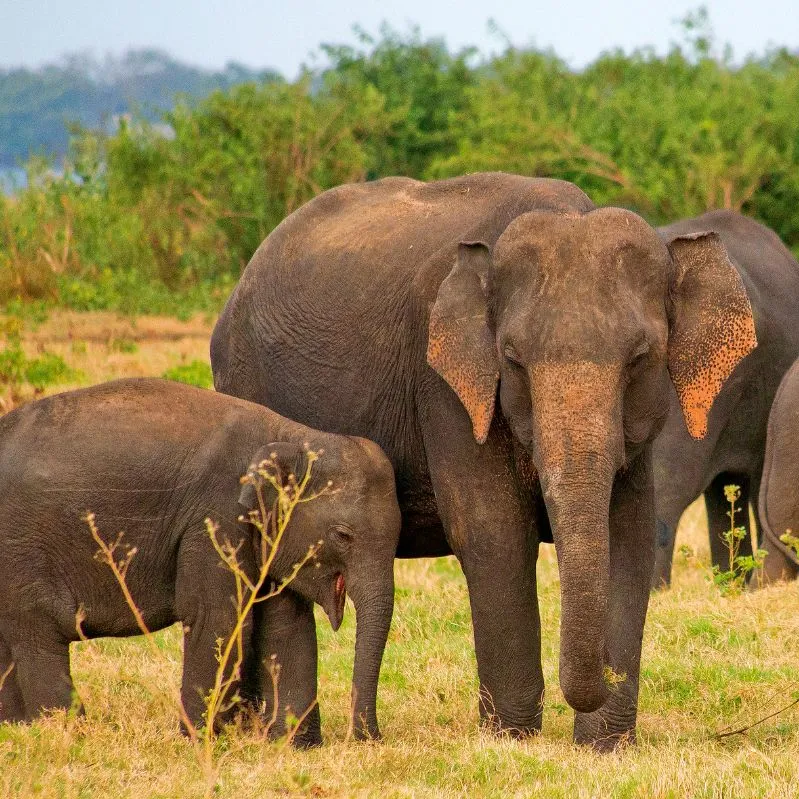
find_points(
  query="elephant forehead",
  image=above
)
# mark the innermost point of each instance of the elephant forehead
(607, 242)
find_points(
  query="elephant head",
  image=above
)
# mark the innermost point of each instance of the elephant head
(352, 519)
(581, 320)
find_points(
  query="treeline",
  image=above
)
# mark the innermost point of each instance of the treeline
(139, 216)
(37, 106)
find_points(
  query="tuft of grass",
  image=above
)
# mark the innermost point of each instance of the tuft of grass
(126, 346)
(195, 373)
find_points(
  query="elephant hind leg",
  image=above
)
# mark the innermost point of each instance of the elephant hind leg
(12, 707)
(41, 667)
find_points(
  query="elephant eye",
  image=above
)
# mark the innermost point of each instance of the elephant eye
(511, 355)
(342, 534)
(639, 353)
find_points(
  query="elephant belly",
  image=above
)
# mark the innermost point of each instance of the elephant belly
(422, 536)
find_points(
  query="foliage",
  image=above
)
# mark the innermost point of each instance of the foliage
(18, 371)
(733, 579)
(195, 373)
(791, 541)
(425, 91)
(152, 212)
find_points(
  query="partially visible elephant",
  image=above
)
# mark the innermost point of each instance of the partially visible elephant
(154, 459)
(732, 451)
(509, 345)
(779, 489)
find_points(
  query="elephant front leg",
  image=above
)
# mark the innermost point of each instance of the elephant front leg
(283, 670)
(209, 681)
(489, 524)
(632, 553)
(507, 639)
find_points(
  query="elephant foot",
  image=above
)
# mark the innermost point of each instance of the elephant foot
(307, 739)
(602, 733)
(513, 724)
(363, 730)
(776, 568)
(308, 733)
(507, 726)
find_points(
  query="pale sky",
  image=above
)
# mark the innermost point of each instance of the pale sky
(285, 34)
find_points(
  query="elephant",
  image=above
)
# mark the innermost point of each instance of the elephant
(509, 345)
(156, 459)
(779, 488)
(732, 451)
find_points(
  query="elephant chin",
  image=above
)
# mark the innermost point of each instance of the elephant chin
(335, 601)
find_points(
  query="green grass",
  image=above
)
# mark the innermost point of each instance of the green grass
(693, 684)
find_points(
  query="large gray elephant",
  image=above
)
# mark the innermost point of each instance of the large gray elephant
(779, 489)
(732, 451)
(154, 459)
(401, 310)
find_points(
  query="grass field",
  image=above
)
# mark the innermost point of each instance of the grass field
(709, 663)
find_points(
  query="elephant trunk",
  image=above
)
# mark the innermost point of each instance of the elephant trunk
(580, 530)
(374, 605)
(577, 449)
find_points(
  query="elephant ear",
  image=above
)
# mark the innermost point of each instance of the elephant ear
(460, 345)
(280, 459)
(712, 327)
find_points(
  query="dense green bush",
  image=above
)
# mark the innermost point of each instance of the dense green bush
(141, 221)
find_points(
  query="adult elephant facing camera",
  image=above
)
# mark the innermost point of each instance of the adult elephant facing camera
(394, 310)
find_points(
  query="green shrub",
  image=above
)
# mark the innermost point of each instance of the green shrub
(18, 370)
(195, 373)
(140, 222)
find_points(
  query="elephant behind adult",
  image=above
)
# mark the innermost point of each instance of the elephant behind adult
(380, 309)
(732, 451)
(779, 489)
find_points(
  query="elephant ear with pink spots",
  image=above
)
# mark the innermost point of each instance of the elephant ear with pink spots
(460, 345)
(711, 324)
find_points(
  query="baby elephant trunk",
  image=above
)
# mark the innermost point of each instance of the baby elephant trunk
(373, 597)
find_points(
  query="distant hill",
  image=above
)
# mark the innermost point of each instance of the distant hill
(37, 104)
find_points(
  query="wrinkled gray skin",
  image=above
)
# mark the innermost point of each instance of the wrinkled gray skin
(154, 459)
(779, 489)
(371, 311)
(732, 451)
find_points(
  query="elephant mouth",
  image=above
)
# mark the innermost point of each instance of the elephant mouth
(335, 607)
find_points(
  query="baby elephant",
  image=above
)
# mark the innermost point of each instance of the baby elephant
(778, 506)
(154, 459)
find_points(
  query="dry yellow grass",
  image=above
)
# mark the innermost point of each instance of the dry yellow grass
(709, 662)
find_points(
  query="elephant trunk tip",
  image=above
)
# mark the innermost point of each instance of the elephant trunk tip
(585, 695)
